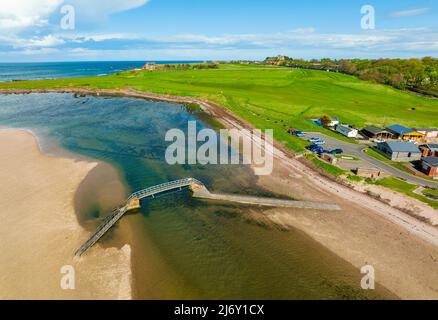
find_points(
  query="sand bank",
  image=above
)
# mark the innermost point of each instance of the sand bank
(39, 230)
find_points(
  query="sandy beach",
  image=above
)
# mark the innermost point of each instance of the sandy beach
(39, 229)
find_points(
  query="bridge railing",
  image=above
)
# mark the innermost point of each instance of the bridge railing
(119, 212)
(164, 186)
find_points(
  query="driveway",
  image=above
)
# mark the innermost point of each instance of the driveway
(356, 150)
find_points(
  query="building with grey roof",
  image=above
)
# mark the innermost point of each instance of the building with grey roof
(429, 166)
(400, 151)
(374, 132)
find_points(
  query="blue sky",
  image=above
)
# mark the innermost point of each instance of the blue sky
(30, 30)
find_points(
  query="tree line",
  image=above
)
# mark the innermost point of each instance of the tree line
(190, 66)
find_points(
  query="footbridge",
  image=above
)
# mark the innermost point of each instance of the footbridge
(198, 191)
(133, 203)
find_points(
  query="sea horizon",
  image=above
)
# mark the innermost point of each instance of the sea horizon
(20, 71)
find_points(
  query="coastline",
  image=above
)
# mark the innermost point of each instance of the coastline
(230, 121)
(356, 235)
(40, 229)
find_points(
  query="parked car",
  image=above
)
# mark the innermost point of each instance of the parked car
(337, 151)
(379, 140)
(320, 143)
(315, 148)
(314, 139)
(300, 133)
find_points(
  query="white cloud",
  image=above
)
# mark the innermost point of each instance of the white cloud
(17, 14)
(21, 14)
(42, 51)
(410, 13)
(45, 41)
(297, 37)
(308, 42)
(83, 38)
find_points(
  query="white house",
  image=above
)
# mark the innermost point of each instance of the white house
(347, 131)
(334, 122)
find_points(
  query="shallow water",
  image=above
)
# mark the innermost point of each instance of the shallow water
(184, 248)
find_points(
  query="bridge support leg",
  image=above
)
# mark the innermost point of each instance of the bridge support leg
(133, 204)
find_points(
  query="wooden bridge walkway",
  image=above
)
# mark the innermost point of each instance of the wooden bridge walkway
(199, 191)
(133, 203)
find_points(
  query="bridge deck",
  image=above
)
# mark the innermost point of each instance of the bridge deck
(200, 191)
(117, 214)
(110, 221)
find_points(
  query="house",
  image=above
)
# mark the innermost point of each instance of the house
(429, 166)
(429, 150)
(334, 122)
(428, 132)
(373, 132)
(404, 133)
(150, 66)
(347, 131)
(399, 151)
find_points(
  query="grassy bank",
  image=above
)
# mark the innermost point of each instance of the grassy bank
(327, 167)
(405, 188)
(272, 98)
(431, 192)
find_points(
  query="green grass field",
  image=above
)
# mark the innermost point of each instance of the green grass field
(273, 98)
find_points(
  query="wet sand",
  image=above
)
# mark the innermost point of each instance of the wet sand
(39, 229)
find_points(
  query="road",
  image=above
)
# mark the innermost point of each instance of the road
(356, 150)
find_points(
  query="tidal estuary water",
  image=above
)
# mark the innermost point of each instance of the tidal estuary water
(182, 248)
